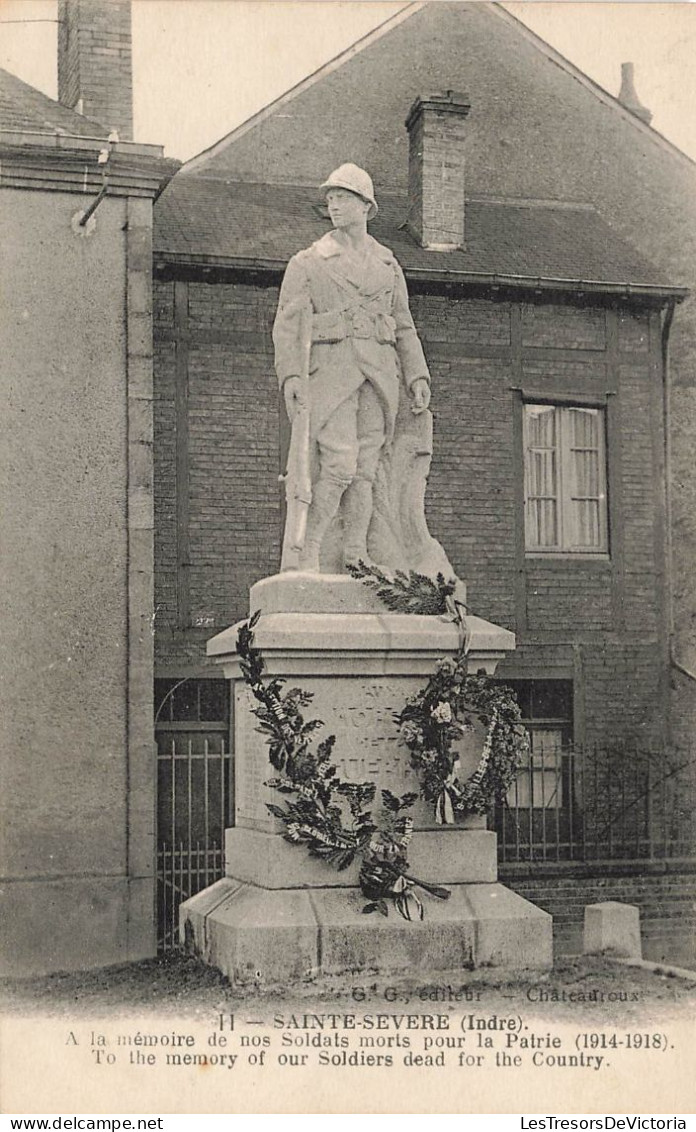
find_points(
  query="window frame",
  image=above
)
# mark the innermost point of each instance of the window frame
(165, 702)
(563, 447)
(540, 765)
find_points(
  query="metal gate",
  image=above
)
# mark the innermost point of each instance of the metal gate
(194, 796)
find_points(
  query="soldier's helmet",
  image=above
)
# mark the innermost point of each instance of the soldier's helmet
(354, 179)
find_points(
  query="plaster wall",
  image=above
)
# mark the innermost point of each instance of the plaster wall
(63, 587)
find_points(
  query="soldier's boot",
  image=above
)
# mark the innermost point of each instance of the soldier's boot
(326, 496)
(357, 512)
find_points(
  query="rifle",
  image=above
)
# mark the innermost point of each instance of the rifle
(297, 478)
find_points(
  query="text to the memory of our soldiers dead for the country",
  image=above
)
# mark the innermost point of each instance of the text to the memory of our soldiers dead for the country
(470, 1040)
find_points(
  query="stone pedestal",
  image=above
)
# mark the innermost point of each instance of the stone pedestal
(279, 913)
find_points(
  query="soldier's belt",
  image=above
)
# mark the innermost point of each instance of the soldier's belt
(334, 326)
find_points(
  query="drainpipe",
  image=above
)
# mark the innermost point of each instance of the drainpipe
(667, 409)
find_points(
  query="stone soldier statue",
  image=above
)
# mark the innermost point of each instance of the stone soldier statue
(346, 352)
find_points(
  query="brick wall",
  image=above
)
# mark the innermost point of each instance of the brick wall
(471, 500)
(95, 61)
(621, 690)
(217, 461)
(470, 496)
(665, 894)
(436, 169)
(563, 327)
(218, 502)
(563, 596)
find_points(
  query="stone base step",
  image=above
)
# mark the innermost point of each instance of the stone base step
(455, 854)
(257, 935)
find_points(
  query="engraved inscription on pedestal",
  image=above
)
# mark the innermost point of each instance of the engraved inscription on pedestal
(359, 712)
(251, 765)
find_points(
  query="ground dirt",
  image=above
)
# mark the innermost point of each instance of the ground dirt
(181, 985)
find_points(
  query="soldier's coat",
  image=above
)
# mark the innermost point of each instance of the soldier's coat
(361, 327)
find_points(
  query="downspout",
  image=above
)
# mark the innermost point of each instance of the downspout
(667, 410)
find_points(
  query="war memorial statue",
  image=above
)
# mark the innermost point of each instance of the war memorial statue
(357, 388)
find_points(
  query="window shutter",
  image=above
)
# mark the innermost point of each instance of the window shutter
(541, 458)
(565, 479)
(584, 478)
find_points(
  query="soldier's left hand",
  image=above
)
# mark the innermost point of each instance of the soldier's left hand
(420, 392)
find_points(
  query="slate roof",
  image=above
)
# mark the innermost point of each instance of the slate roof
(200, 219)
(24, 108)
(538, 127)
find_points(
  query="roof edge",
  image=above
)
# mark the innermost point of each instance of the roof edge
(604, 96)
(61, 140)
(404, 13)
(163, 257)
(494, 7)
(55, 102)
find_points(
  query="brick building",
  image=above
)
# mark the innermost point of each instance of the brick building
(548, 263)
(544, 277)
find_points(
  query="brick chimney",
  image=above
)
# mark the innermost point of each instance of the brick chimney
(437, 130)
(95, 74)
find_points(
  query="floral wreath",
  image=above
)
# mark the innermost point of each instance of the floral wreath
(332, 817)
(436, 718)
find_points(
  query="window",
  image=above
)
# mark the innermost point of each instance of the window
(565, 480)
(537, 820)
(191, 701)
(547, 712)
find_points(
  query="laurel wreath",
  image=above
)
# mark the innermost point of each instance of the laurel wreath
(334, 818)
(434, 721)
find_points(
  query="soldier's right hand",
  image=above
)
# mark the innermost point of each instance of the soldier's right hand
(294, 393)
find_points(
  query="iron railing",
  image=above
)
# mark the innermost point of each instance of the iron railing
(194, 807)
(581, 804)
(589, 804)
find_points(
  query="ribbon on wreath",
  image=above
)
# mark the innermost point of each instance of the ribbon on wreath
(455, 610)
(444, 807)
(444, 810)
(404, 896)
